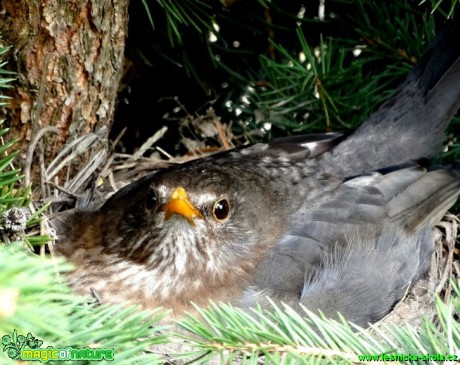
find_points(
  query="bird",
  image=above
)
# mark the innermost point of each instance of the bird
(338, 224)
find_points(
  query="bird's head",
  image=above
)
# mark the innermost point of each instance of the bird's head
(206, 219)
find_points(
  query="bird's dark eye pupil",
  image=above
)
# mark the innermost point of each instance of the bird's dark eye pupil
(150, 199)
(221, 209)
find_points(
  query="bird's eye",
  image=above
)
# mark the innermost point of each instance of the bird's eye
(221, 210)
(151, 199)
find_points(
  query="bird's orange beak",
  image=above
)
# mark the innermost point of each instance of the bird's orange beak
(178, 203)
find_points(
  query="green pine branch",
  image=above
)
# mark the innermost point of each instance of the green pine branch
(445, 7)
(197, 14)
(284, 336)
(316, 84)
(35, 298)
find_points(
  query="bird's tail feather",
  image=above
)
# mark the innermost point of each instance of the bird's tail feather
(425, 200)
(411, 124)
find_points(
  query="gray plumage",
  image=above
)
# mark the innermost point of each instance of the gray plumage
(359, 251)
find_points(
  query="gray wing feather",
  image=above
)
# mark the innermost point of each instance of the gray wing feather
(373, 234)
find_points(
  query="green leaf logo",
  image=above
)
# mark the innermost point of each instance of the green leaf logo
(15, 343)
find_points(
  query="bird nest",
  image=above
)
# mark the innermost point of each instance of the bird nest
(107, 171)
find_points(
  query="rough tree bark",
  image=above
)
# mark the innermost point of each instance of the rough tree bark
(68, 56)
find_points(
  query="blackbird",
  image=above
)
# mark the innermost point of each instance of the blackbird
(341, 225)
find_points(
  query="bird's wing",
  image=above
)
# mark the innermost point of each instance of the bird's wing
(316, 144)
(373, 234)
(296, 148)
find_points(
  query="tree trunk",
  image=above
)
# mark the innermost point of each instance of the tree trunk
(68, 56)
